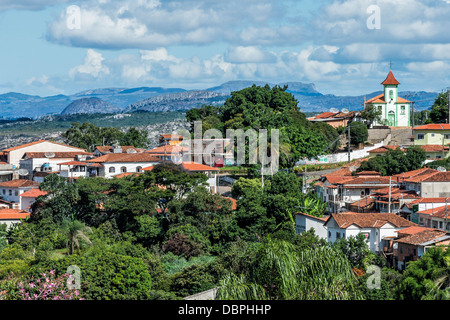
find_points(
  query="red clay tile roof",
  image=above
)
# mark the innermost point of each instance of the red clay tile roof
(433, 126)
(172, 136)
(438, 177)
(438, 212)
(193, 166)
(314, 217)
(370, 173)
(390, 79)
(367, 181)
(19, 183)
(105, 149)
(384, 149)
(412, 230)
(340, 172)
(433, 148)
(415, 173)
(13, 214)
(33, 193)
(149, 168)
(168, 149)
(430, 200)
(58, 155)
(73, 163)
(421, 237)
(37, 142)
(125, 157)
(369, 220)
(363, 203)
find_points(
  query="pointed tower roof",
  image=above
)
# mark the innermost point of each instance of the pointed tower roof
(390, 79)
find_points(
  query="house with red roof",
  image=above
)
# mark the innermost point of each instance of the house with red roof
(434, 135)
(11, 216)
(433, 184)
(378, 228)
(305, 222)
(335, 119)
(13, 155)
(27, 198)
(412, 242)
(112, 164)
(10, 191)
(40, 164)
(395, 111)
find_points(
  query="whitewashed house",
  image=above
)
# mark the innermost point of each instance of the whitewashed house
(305, 222)
(11, 216)
(378, 228)
(112, 164)
(27, 198)
(11, 190)
(15, 154)
(40, 164)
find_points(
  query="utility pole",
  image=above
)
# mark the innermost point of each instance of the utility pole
(448, 103)
(348, 143)
(389, 208)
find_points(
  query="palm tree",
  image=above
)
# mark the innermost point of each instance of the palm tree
(440, 288)
(280, 272)
(73, 230)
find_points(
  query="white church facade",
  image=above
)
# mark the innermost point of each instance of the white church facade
(395, 111)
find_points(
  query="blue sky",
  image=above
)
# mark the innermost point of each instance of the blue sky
(48, 49)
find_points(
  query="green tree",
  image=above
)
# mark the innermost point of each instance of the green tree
(358, 132)
(74, 230)
(439, 109)
(421, 275)
(281, 272)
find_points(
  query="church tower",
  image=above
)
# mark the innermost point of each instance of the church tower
(395, 111)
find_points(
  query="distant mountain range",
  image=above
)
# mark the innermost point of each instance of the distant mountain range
(152, 99)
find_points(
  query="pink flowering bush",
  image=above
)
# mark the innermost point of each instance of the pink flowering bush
(48, 287)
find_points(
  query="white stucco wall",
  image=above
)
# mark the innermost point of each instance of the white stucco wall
(305, 223)
(45, 146)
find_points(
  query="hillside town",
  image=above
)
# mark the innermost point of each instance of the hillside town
(401, 215)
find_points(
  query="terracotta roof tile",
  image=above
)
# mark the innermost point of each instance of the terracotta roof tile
(125, 157)
(390, 79)
(33, 193)
(13, 214)
(421, 237)
(369, 220)
(193, 166)
(19, 183)
(433, 126)
(37, 142)
(57, 155)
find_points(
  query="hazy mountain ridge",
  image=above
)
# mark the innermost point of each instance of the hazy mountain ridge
(16, 105)
(90, 105)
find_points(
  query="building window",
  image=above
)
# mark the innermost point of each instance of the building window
(112, 170)
(329, 234)
(420, 136)
(16, 192)
(123, 169)
(402, 110)
(10, 192)
(401, 249)
(391, 94)
(4, 191)
(447, 136)
(138, 169)
(338, 235)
